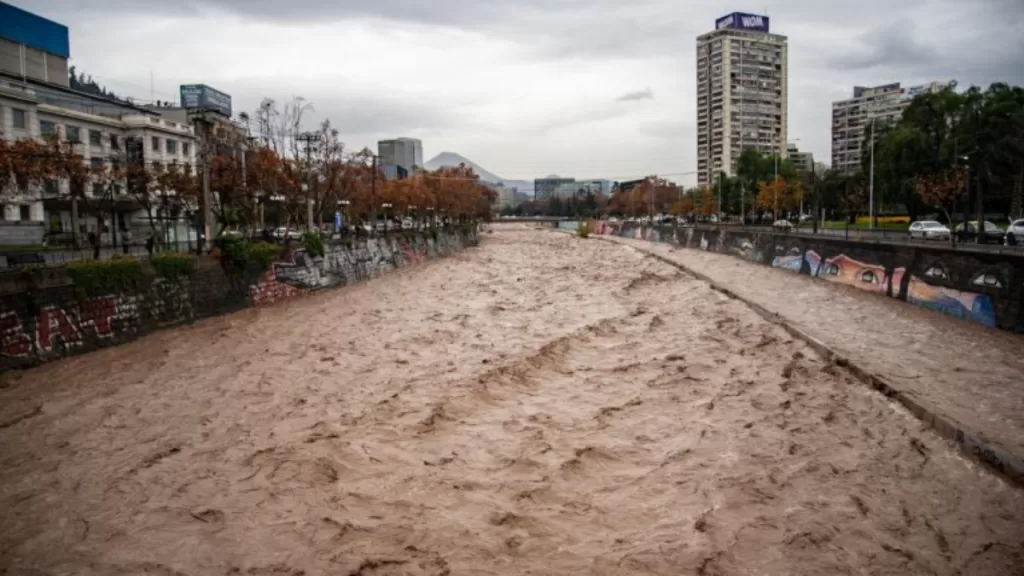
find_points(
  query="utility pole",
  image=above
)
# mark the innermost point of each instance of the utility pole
(775, 184)
(373, 196)
(308, 138)
(204, 157)
(871, 184)
(719, 194)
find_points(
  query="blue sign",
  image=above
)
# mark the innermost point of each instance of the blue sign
(337, 221)
(743, 21)
(202, 97)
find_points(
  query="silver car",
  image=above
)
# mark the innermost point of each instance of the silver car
(929, 230)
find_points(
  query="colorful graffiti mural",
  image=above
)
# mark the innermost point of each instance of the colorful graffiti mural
(958, 303)
(788, 259)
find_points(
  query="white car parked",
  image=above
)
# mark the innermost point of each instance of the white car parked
(929, 230)
(1015, 233)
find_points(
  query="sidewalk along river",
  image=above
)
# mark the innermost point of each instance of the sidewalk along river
(538, 404)
(980, 286)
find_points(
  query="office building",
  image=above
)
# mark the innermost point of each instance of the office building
(107, 133)
(403, 154)
(544, 188)
(802, 161)
(742, 93)
(852, 118)
(32, 46)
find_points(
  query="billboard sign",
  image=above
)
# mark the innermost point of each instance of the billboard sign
(743, 21)
(202, 97)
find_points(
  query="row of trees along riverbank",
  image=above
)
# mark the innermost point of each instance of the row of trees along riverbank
(281, 172)
(953, 151)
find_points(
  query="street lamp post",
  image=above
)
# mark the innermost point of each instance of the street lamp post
(343, 204)
(386, 207)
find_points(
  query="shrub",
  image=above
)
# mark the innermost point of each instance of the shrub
(583, 229)
(432, 231)
(94, 278)
(265, 253)
(314, 243)
(172, 265)
(236, 253)
(467, 228)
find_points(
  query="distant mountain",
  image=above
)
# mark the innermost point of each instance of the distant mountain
(451, 159)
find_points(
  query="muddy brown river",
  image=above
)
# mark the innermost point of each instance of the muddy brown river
(537, 405)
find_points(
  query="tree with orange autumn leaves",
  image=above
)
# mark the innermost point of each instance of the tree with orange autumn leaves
(250, 168)
(776, 195)
(944, 189)
(651, 193)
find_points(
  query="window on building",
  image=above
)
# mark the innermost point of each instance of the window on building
(184, 148)
(114, 144)
(73, 133)
(155, 144)
(26, 212)
(115, 164)
(50, 187)
(97, 190)
(47, 128)
(172, 146)
(96, 164)
(20, 118)
(95, 138)
(157, 166)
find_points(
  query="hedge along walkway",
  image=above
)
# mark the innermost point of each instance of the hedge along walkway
(962, 378)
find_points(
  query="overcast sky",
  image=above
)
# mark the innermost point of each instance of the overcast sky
(526, 88)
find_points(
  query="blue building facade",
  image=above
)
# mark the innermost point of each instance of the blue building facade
(21, 27)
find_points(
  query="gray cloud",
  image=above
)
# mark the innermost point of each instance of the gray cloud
(833, 46)
(645, 94)
(892, 44)
(353, 114)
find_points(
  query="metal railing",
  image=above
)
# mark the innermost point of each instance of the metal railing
(60, 255)
(965, 242)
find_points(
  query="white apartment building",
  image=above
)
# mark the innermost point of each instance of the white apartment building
(102, 131)
(802, 161)
(742, 93)
(852, 118)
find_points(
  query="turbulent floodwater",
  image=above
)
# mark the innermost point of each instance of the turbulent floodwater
(536, 405)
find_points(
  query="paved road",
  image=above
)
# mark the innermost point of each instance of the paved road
(537, 405)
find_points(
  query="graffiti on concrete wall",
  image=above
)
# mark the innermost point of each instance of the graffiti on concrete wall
(987, 293)
(55, 329)
(346, 264)
(967, 305)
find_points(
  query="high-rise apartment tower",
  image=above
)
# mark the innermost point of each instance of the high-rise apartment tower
(741, 93)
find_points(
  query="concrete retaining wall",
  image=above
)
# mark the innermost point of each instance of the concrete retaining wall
(977, 286)
(42, 318)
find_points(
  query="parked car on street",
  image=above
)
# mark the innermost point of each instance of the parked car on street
(929, 230)
(784, 225)
(991, 234)
(292, 233)
(1015, 233)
